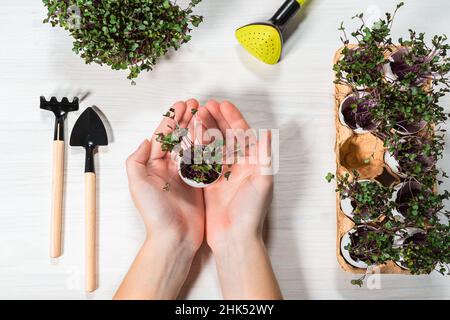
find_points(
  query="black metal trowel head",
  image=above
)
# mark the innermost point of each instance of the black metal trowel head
(89, 132)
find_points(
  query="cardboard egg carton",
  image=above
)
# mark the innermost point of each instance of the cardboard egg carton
(351, 152)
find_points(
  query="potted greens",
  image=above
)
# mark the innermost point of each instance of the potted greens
(414, 63)
(423, 251)
(395, 96)
(406, 239)
(407, 111)
(413, 155)
(124, 35)
(361, 65)
(355, 112)
(416, 203)
(366, 245)
(400, 106)
(362, 200)
(199, 166)
(356, 69)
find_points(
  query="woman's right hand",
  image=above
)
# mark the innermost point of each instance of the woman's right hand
(235, 213)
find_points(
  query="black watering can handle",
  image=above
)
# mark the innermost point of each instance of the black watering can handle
(286, 12)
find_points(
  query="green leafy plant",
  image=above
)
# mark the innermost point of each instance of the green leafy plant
(408, 118)
(361, 65)
(419, 205)
(371, 245)
(417, 155)
(130, 34)
(407, 109)
(425, 252)
(401, 104)
(370, 199)
(415, 62)
(198, 162)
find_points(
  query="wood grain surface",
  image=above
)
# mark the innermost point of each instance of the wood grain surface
(295, 96)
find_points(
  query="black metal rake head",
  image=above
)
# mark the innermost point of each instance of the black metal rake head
(60, 108)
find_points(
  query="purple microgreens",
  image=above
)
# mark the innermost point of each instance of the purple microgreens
(417, 155)
(426, 251)
(200, 170)
(415, 62)
(419, 204)
(168, 141)
(408, 109)
(199, 163)
(362, 66)
(370, 245)
(401, 106)
(368, 197)
(372, 242)
(357, 110)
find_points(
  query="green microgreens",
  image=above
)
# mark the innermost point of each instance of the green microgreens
(124, 35)
(362, 65)
(371, 245)
(420, 62)
(430, 253)
(199, 163)
(408, 118)
(370, 198)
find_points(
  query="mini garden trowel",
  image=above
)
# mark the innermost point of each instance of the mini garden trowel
(264, 40)
(89, 132)
(60, 110)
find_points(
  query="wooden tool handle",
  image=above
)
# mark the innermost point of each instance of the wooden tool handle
(91, 237)
(57, 200)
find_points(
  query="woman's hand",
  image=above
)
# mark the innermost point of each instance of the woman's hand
(173, 214)
(169, 207)
(236, 207)
(236, 210)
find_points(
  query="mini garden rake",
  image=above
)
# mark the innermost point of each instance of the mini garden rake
(60, 109)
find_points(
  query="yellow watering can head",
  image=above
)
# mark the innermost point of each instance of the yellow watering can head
(264, 40)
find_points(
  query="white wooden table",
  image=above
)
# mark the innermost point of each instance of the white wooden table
(295, 96)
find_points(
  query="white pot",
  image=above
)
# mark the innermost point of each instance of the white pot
(195, 184)
(389, 75)
(344, 242)
(410, 133)
(395, 212)
(399, 240)
(387, 71)
(347, 207)
(393, 164)
(358, 130)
